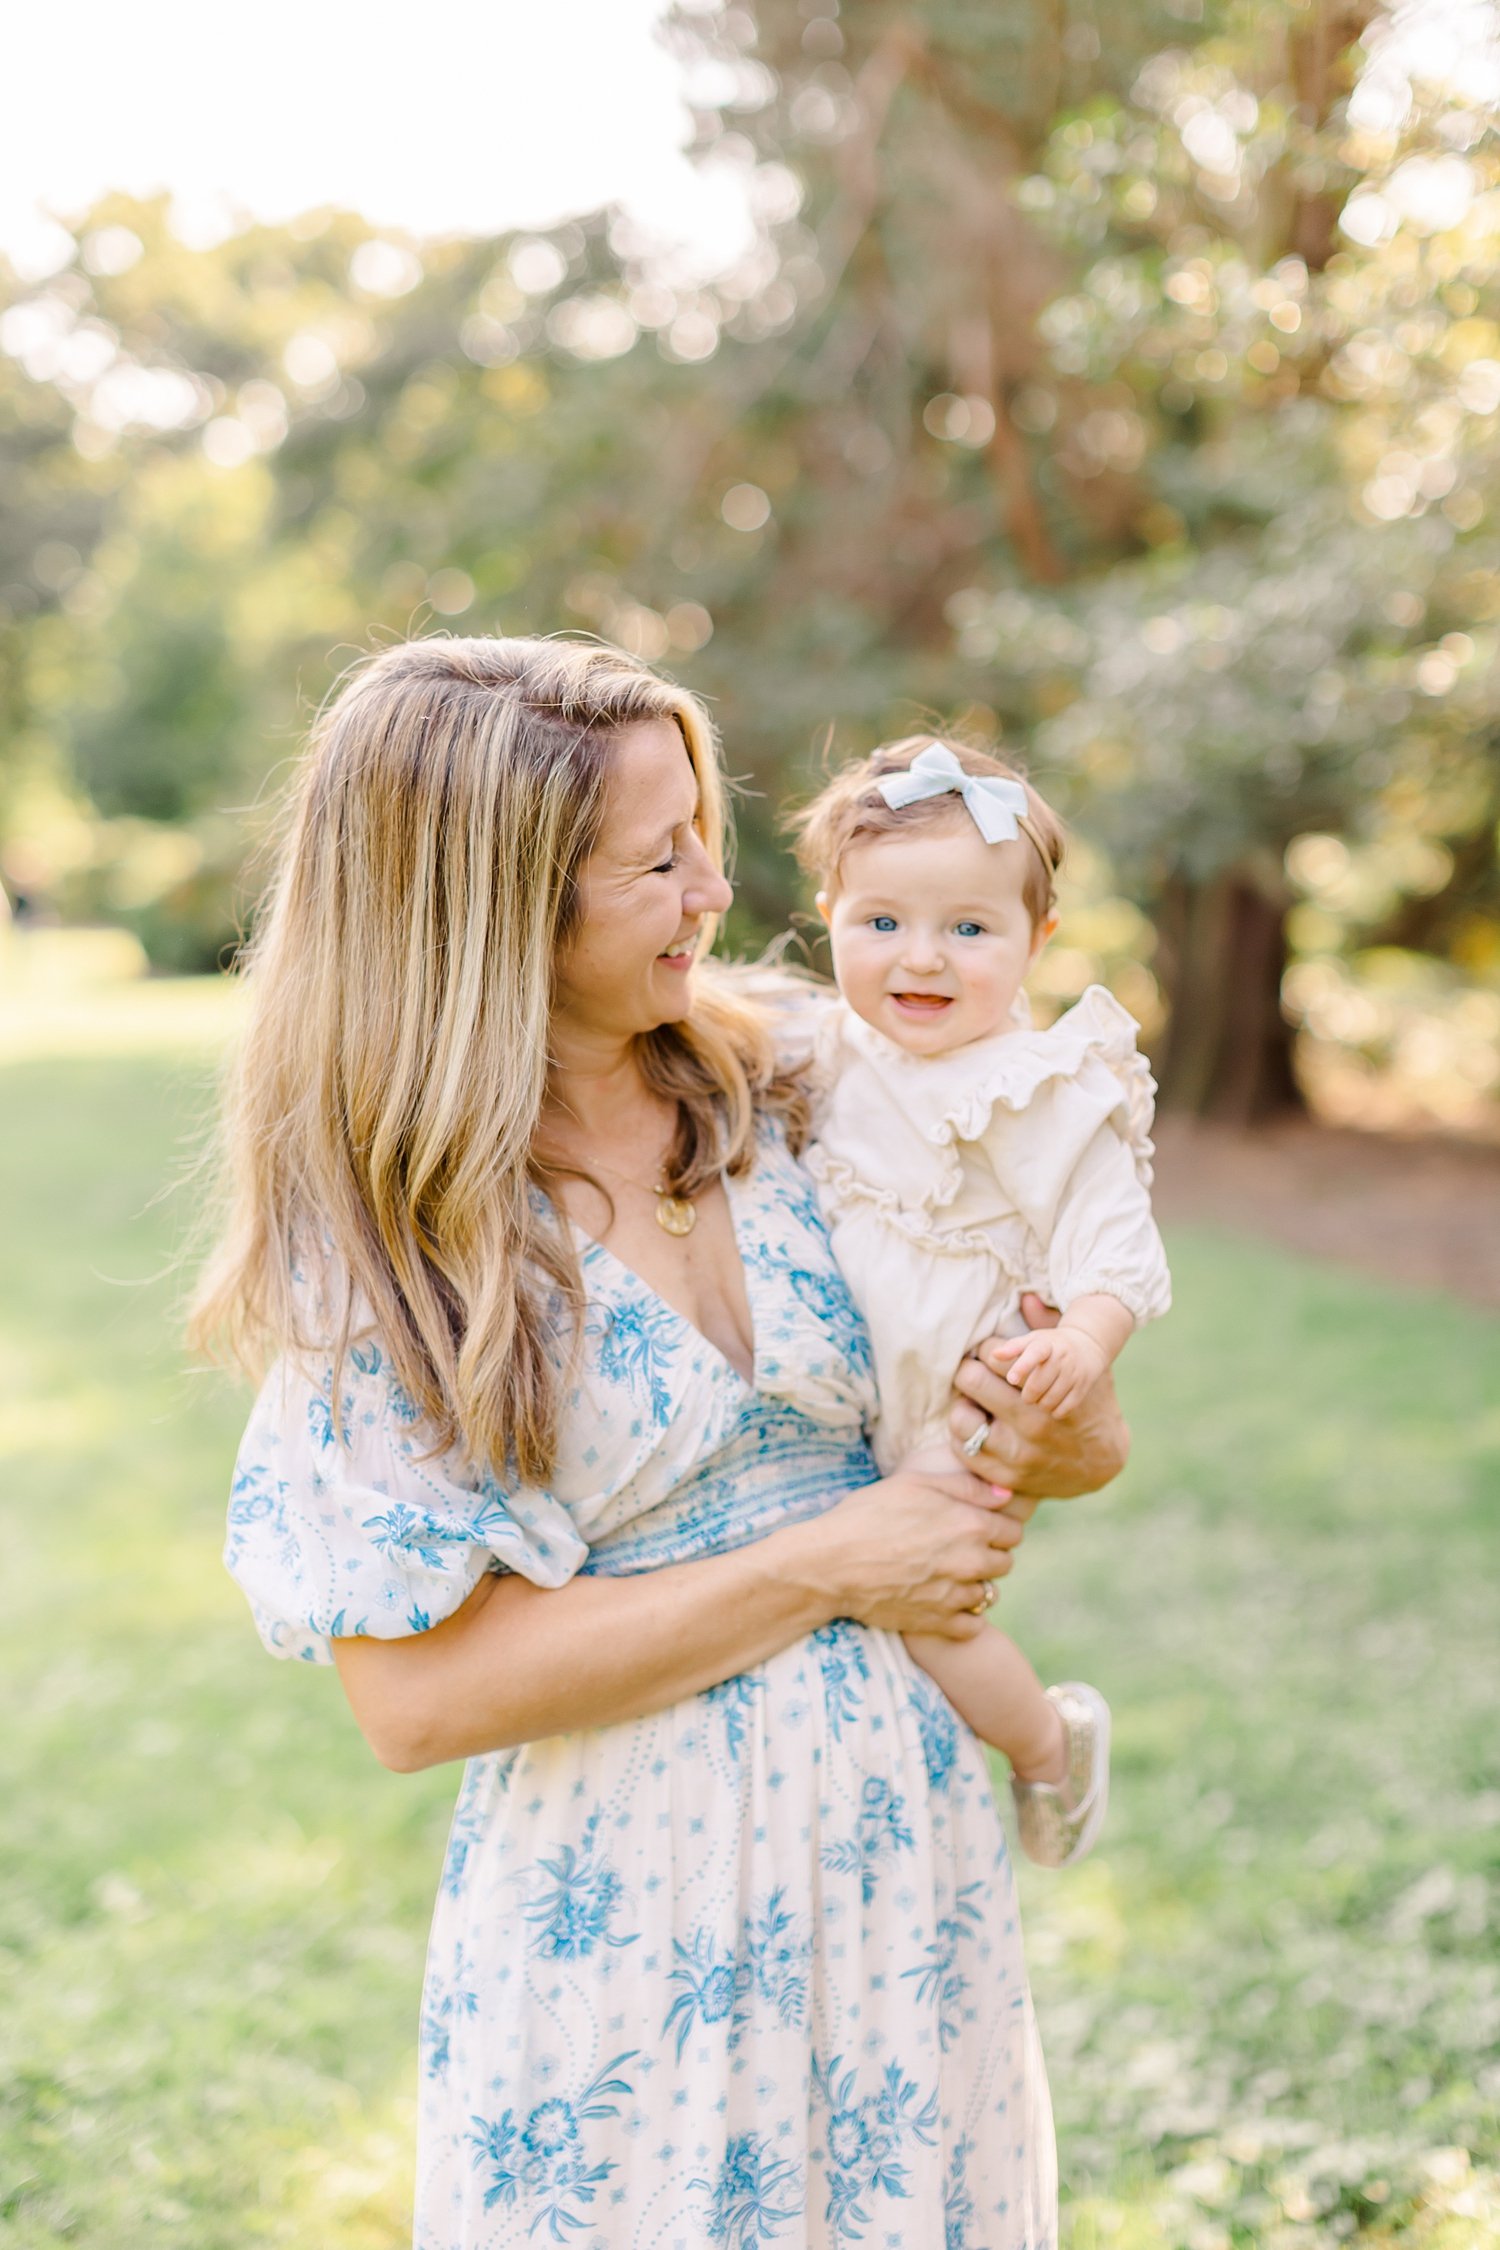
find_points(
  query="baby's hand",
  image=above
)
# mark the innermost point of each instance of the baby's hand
(1055, 1368)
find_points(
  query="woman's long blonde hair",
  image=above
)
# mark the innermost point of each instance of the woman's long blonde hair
(384, 1100)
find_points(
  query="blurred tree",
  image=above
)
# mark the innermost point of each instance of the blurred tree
(1094, 393)
(1126, 379)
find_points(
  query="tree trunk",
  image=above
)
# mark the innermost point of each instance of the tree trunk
(1227, 1052)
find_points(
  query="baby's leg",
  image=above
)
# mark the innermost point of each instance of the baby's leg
(987, 1679)
(989, 1682)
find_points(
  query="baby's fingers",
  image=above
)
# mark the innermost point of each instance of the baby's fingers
(1031, 1354)
(1062, 1401)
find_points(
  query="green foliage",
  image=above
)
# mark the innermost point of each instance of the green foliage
(1132, 384)
(1268, 2002)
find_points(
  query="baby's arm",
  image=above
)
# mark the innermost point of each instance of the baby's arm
(1057, 1367)
(1091, 1208)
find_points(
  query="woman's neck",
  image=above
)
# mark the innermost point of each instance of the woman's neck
(596, 1093)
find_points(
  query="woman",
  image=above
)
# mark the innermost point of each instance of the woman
(563, 1466)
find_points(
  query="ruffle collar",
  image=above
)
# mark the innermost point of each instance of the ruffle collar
(949, 1099)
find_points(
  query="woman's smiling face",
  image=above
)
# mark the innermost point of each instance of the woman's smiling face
(931, 934)
(644, 892)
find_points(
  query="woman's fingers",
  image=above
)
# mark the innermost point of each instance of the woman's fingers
(924, 1545)
(1001, 1527)
(974, 1491)
(996, 1400)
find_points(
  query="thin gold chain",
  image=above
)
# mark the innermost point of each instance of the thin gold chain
(675, 1214)
(658, 1189)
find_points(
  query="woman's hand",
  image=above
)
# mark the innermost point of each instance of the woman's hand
(516, 1662)
(1037, 1454)
(910, 1554)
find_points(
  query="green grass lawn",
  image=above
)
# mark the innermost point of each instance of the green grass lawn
(1270, 2001)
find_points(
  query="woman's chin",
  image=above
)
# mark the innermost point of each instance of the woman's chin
(670, 992)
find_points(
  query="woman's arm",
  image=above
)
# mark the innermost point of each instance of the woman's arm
(518, 1662)
(1040, 1456)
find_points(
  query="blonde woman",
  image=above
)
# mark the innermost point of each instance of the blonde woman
(562, 1463)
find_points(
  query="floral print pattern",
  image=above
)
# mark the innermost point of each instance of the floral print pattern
(546, 2160)
(768, 1970)
(746, 1972)
(871, 2138)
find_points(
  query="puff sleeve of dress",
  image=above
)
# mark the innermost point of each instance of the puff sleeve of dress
(347, 1525)
(1066, 1129)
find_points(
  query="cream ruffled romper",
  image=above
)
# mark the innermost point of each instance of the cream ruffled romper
(951, 1183)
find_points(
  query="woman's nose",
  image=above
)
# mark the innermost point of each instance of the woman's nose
(706, 891)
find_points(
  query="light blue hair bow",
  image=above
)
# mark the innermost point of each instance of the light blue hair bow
(998, 807)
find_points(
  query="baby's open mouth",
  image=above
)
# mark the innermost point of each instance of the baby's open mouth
(922, 1003)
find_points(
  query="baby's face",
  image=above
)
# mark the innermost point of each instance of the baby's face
(931, 936)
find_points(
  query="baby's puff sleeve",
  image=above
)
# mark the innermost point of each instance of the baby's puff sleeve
(1068, 1131)
(338, 1525)
(1104, 1240)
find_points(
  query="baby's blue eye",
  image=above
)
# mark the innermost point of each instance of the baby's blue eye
(969, 929)
(882, 922)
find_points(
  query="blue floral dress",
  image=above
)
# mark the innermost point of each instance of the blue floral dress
(746, 1972)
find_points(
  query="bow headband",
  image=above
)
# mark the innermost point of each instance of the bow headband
(997, 807)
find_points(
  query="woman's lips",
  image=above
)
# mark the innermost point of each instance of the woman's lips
(679, 960)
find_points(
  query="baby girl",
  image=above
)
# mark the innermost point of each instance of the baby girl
(963, 1158)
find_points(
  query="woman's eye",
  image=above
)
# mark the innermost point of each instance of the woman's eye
(667, 865)
(969, 929)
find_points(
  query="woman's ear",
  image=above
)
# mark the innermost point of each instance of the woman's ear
(1041, 936)
(824, 904)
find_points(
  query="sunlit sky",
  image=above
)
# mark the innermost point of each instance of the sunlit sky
(476, 116)
(485, 115)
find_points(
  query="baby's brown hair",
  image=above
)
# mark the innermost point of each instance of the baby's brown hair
(851, 805)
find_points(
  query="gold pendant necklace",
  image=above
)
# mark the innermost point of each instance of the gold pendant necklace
(674, 1213)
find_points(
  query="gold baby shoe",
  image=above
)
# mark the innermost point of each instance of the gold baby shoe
(1060, 1821)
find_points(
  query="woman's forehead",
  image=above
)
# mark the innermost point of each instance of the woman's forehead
(652, 787)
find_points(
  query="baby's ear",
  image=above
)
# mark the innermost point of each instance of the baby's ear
(824, 904)
(1042, 935)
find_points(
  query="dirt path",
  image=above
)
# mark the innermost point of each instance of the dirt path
(1424, 1211)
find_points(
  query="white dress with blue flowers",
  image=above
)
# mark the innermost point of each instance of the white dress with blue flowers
(749, 1971)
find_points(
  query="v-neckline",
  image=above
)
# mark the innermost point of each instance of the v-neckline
(592, 1247)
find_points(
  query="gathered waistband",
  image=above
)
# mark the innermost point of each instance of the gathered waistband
(777, 1467)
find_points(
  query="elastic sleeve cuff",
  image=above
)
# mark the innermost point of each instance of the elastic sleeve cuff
(1142, 1300)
